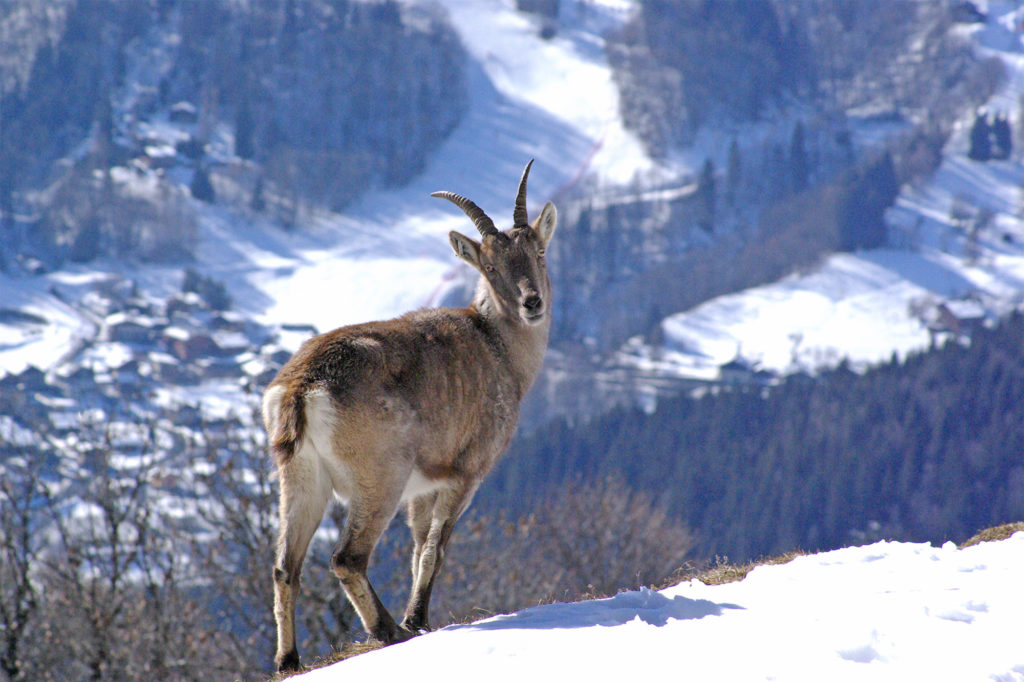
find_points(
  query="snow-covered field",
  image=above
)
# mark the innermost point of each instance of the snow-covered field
(887, 611)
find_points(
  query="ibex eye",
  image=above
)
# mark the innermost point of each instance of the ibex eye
(540, 252)
(488, 267)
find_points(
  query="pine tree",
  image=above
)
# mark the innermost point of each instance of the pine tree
(864, 197)
(734, 173)
(1002, 136)
(798, 167)
(706, 197)
(258, 203)
(244, 128)
(201, 187)
(980, 146)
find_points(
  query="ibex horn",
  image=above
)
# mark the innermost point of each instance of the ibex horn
(519, 218)
(475, 213)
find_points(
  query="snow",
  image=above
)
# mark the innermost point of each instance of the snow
(886, 611)
(38, 345)
(389, 252)
(856, 306)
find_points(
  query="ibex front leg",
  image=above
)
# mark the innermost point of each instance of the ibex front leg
(432, 519)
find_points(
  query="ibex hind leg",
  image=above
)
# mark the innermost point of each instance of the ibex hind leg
(432, 520)
(364, 525)
(420, 513)
(304, 496)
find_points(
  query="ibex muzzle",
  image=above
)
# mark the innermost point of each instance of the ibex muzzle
(417, 410)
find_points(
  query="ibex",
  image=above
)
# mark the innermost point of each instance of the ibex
(416, 409)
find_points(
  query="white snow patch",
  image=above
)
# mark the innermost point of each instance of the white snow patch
(888, 611)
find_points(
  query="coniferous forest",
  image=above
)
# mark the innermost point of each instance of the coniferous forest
(924, 448)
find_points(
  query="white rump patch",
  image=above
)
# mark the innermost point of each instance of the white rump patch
(320, 421)
(271, 407)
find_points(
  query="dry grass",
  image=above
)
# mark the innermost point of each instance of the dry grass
(994, 534)
(348, 651)
(720, 571)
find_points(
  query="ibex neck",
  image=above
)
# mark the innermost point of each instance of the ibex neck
(524, 344)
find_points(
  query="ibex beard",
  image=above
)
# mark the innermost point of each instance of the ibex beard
(413, 410)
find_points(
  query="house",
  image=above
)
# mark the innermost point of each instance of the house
(231, 343)
(127, 328)
(740, 371)
(188, 346)
(186, 302)
(80, 379)
(960, 318)
(183, 112)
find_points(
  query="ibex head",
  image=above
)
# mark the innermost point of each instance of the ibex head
(511, 262)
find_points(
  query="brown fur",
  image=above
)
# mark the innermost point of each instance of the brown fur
(418, 408)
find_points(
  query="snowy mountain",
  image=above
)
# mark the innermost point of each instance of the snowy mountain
(886, 611)
(520, 108)
(945, 268)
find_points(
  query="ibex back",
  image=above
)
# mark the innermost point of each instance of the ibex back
(417, 409)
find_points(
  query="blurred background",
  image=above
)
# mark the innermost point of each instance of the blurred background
(789, 280)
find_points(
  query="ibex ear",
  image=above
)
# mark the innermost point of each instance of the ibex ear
(544, 225)
(465, 248)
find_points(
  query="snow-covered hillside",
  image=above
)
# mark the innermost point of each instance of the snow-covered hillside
(886, 611)
(864, 307)
(389, 253)
(555, 100)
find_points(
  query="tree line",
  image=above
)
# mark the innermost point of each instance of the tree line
(925, 448)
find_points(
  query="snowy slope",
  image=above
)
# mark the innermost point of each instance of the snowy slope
(866, 306)
(519, 109)
(389, 253)
(555, 100)
(887, 611)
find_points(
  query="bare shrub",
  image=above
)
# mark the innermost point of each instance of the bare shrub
(592, 538)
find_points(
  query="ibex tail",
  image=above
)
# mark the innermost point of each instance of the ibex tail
(284, 415)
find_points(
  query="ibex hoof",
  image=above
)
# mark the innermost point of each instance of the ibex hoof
(416, 629)
(289, 663)
(401, 634)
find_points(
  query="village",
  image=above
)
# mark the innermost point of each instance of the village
(157, 376)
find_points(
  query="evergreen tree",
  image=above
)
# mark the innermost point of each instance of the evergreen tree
(86, 244)
(288, 42)
(258, 203)
(706, 197)
(245, 146)
(734, 172)
(798, 167)
(201, 187)
(865, 195)
(1002, 137)
(980, 148)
